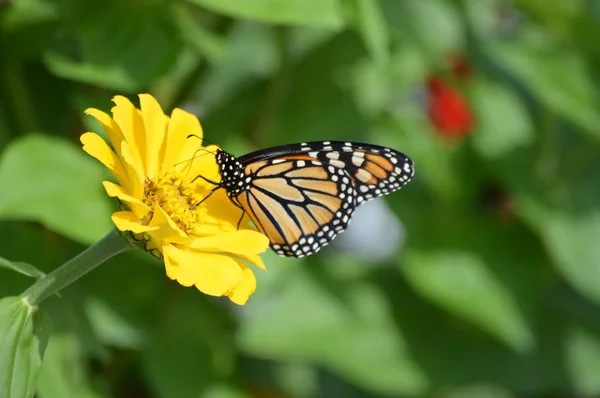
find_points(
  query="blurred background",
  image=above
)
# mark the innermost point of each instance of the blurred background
(481, 278)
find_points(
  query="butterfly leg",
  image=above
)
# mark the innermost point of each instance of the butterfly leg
(237, 203)
(241, 218)
(206, 179)
(206, 197)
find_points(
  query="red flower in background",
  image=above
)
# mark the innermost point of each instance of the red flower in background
(448, 109)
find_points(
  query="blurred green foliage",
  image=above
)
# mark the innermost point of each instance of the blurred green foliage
(497, 290)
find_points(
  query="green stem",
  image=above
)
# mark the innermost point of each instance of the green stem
(109, 246)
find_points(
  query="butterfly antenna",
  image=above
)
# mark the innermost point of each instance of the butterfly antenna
(194, 156)
(201, 139)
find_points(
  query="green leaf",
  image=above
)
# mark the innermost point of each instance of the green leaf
(316, 13)
(120, 313)
(558, 78)
(583, 361)
(203, 40)
(352, 334)
(487, 274)
(571, 240)
(438, 163)
(55, 183)
(477, 390)
(29, 12)
(63, 372)
(371, 87)
(137, 31)
(22, 268)
(225, 391)
(113, 327)
(384, 87)
(380, 87)
(249, 56)
(581, 339)
(24, 332)
(463, 283)
(192, 335)
(319, 102)
(438, 340)
(373, 28)
(558, 17)
(482, 17)
(17, 238)
(434, 24)
(503, 123)
(113, 77)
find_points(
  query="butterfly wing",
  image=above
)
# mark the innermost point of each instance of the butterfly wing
(375, 170)
(302, 195)
(298, 202)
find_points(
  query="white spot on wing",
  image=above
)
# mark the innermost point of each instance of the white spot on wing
(357, 161)
(338, 163)
(363, 175)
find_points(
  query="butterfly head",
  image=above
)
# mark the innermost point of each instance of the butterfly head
(233, 178)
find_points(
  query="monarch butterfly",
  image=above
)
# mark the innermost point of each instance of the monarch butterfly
(302, 195)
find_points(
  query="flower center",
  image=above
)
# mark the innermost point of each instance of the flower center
(178, 196)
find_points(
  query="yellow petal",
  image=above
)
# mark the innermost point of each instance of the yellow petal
(113, 190)
(224, 217)
(167, 230)
(212, 274)
(136, 174)
(155, 124)
(127, 221)
(222, 211)
(116, 138)
(242, 242)
(254, 259)
(109, 125)
(175, 270)
(132, 127)
(94, 145)
(212, 229)
(137, 206)
(181, 125)
(245, 288)
(196, 160)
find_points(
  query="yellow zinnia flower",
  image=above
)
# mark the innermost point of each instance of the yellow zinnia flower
(155, 165)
